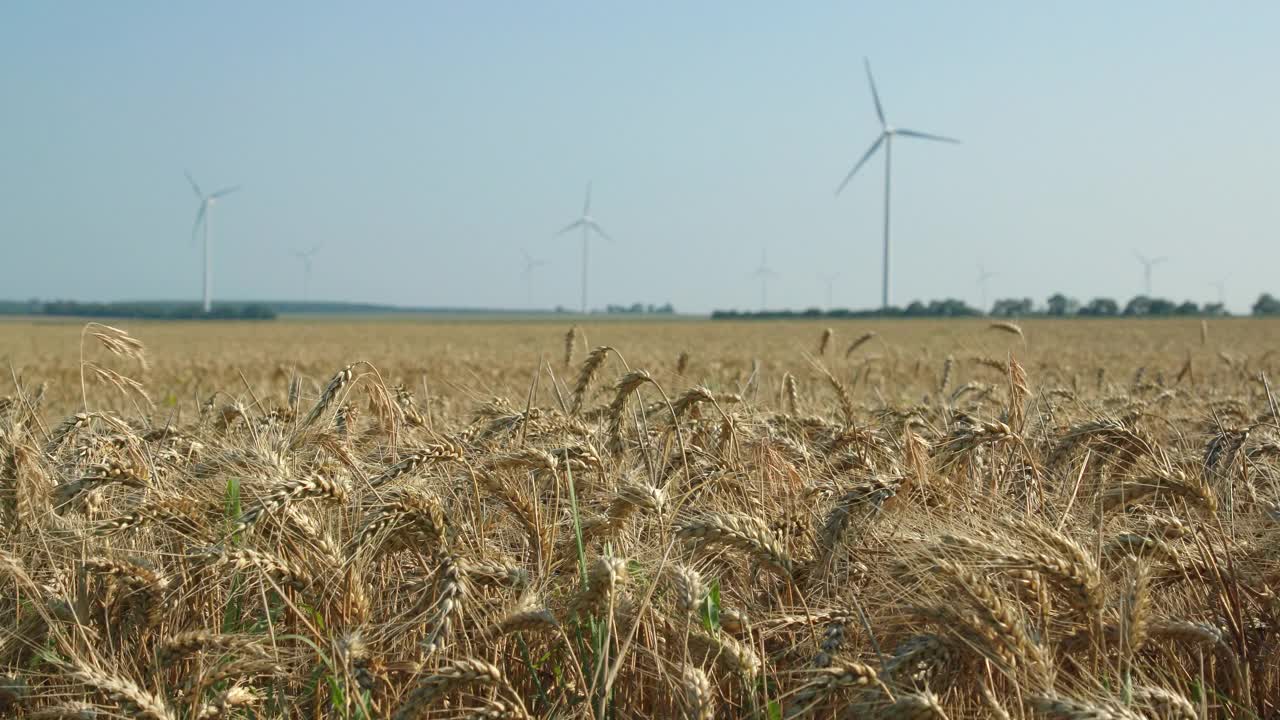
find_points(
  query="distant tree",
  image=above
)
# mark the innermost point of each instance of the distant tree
(1140, 305)
(1011, 307)
(1215, 309)
(1100, 307)
(1059, 304)
(915, 309)
(949, 308)
(1266, 305)
(1187, 308)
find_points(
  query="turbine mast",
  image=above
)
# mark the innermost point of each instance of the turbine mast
(586, 242)
(884, 281)
(207, 303)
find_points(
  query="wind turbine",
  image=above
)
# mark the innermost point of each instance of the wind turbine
(530, 263)
(983, 277)
(1147, 264)
(764, 272)
(887, 134)
(588, 225)
(306, 256)
(829, 280)
(202, 219)
(1222, 290)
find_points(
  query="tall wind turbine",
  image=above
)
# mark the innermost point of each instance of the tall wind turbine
(764, 272)
(589, 226)
(1147, 265)
(526, 272)
(983, 277)
(829, 280)
(887, 134)
(202, 220)
(306, 256)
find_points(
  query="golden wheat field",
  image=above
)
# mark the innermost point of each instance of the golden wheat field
(683, 519)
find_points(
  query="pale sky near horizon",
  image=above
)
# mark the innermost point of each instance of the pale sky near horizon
(424, 144)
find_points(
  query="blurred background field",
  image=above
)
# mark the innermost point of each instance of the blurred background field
(470, 359)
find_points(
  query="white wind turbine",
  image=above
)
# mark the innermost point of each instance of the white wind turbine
(530, 263)
(829, 280)
(887, 133)
(1147, 265)
(764, 272)
(306, 256)
(983, 277)
(202, 219)
(588, 225)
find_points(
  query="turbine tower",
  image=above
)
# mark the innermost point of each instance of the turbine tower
(202, 220)
(887, 134)
(1221, 285)
(983, 278)
(589, 226)
(306, 256)
(1147, 265)
(526, 272)
(764, 272)
(829, 280)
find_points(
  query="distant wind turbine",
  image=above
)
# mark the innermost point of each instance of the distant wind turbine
(1222, 290)
(526, 272)
(1147, 265)
(202, 220)
(887, 133)
(588, 225)
(764, 272)
(306, 256)
(983, 277)
(829, 280)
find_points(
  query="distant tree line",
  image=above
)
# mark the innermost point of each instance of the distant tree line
(934, 308)
(1058, 305)
(632, 309)
(640, 309)
(139, 310)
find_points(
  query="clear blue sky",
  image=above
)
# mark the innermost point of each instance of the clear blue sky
(424, 144)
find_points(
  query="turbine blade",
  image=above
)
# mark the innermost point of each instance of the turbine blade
(1159, 260)
(867, 156)
(225, 191)
(586, 206)
(925, 136)
(874, 95)
(599, 230)
(572, 226)
(194, 186)
(195, 227)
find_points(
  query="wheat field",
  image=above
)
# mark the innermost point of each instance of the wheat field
(632, 519)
